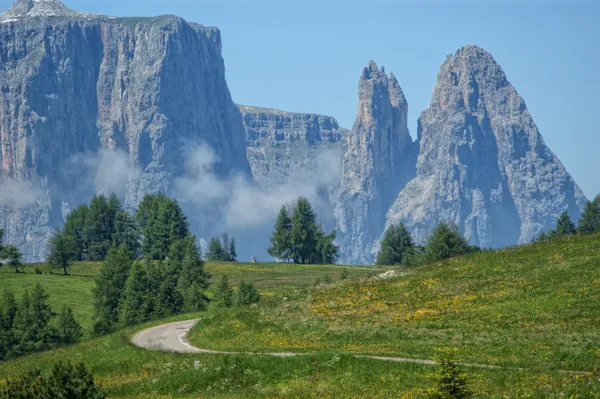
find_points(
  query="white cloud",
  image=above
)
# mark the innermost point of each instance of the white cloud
(17, 194)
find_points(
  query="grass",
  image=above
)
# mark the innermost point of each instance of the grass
(534, 306)
(125, 371)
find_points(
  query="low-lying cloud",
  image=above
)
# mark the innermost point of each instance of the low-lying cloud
(18, 194)
(245, 204)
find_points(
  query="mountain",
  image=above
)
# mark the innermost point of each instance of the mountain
(92, 103)
(283, 144)
(482, 162)
(378, 162)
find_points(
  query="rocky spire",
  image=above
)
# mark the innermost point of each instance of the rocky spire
(483, 163)
(376, 165)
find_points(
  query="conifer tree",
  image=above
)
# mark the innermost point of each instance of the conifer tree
(109, 288)
(232, 251)
(564, 225)
(303, 232)
(395, 245)
(75, 227)
(125, 233)
(33, 328)
(281, 245)
(224, 295)
(225, 247)
(8, 311)
(215, 249)
(170, 300)
(69, 330)
(193, 280)
(133, 304)
(13, 256)
(326, 251)
(61, 251)
(590, 218)
(1, 242)
(446, 242)
(247, 294)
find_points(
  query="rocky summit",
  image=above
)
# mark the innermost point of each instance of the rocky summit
(378, 162)
(101, 104)
(482, 162)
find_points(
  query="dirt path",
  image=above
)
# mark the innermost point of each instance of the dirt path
(171, 337)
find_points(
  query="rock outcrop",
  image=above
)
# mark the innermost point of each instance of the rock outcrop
(378, 162)
(282, 144)
(483, 163)
(82, 91)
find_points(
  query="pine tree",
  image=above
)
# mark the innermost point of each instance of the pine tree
(69, 330)
(109, 288)
(1, 243)
(564, 225)
(446, 242)
(61, 251)
(590, 218)
(75, 227)
(395, 245)
(303, 233)
(12, 254)
(225, 247)
(281, 246)
(224, 295)
(133, 304)
(8, 311)
(326, 250)
(170, 300)
(126, 233)
(215, 249)
(99, 228)
(232, 251)
(247, 294)
(193, 280)
(33, 325)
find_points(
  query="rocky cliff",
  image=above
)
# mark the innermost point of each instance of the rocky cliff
(93, 103)
(483, 163)
(282, 144)
(378, 162)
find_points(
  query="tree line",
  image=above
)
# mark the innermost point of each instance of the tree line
(298, 236)
(589, 222)
(222, 249)
(31, 325)
(398, 248)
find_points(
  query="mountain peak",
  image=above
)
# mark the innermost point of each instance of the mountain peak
(39, 8)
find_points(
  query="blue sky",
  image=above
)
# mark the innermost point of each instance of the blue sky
(306, 56)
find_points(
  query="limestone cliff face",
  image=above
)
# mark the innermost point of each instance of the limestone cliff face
(483, 163)
(378, 162)
(79, 88)
(281, 144)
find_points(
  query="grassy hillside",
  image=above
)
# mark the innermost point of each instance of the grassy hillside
(74, 290)
(531, 306)
(536, 307)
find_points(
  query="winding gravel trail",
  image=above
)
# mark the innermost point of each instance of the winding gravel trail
(171, 337)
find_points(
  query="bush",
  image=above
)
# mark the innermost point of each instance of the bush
(65, 381)
(344, 275)
(37, 270)
(449, 382)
